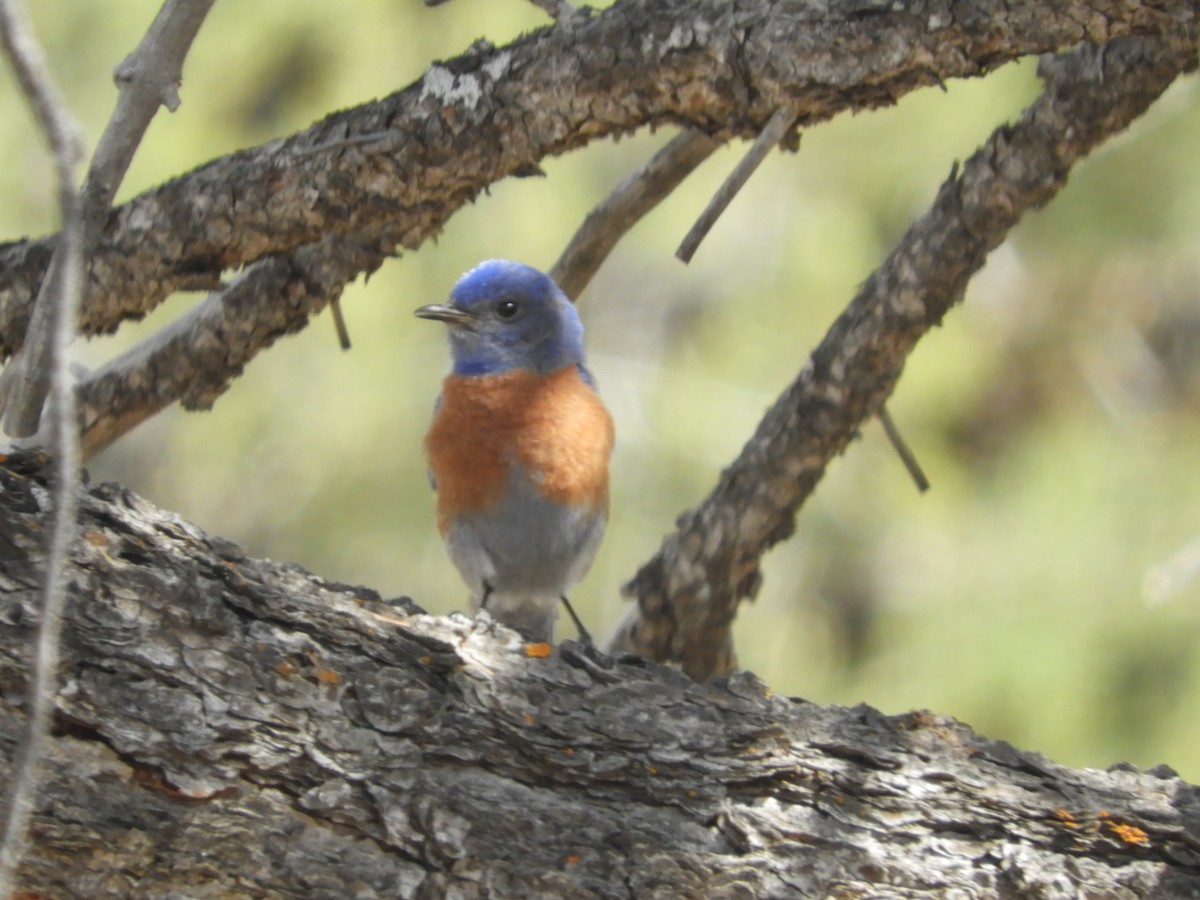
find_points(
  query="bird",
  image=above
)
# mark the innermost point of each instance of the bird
(519, 447)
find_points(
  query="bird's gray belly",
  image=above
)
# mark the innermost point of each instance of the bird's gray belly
(525, 543)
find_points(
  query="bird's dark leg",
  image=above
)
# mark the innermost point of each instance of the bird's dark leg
(584, 635)
(487, 592)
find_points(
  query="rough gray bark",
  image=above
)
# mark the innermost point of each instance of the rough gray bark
(231, 727)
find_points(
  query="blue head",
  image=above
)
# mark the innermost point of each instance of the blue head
(503, 316)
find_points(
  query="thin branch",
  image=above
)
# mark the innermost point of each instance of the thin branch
(779, 125)
(639, 193)
(903, 450)
(32, 73)
(61, 302)
(689, 592)
(147, 79)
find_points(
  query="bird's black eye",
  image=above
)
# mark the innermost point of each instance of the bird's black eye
(506, 309)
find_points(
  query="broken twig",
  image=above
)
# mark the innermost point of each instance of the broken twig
(903, 450)
(777, 126)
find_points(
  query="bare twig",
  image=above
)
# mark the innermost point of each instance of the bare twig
(32, 73)
(777, 127)
(339, 323)
(629, 201)
(689, 592)
(61, 301)
(147, 79)
(903, 450)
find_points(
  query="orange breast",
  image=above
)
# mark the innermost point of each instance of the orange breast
(554, 426)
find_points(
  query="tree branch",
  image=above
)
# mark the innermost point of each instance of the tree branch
(723, 68)
(241, 727)
(689, 592)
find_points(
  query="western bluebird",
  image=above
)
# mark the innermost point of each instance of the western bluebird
(519, 446)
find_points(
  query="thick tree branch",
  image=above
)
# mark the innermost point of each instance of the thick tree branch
(237, 727)
(409, 161)
(688, 594)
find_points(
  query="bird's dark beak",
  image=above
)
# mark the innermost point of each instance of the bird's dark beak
(451, 315)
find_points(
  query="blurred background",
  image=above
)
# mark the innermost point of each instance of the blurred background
(1040, 591)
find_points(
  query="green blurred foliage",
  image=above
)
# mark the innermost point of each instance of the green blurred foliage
(1056, 411)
